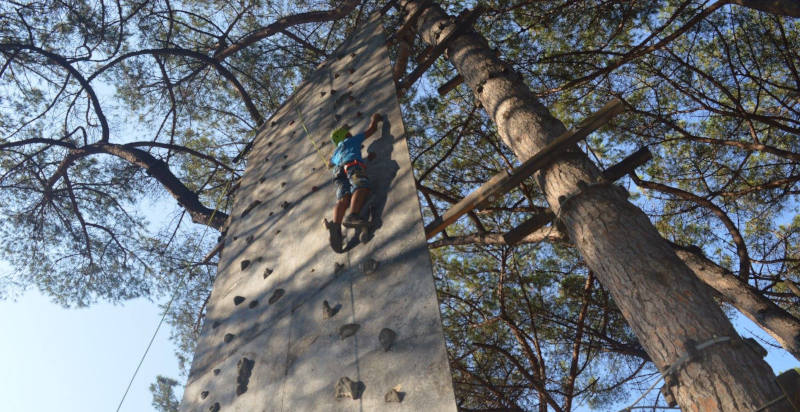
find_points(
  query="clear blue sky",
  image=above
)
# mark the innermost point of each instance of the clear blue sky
(79, 360)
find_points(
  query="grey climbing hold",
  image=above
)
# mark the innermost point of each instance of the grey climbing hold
(237, 300)
(387, 338)
(276, 295)
(328, 311)
(348, 330)
(250, 207)
(267, 272)
(346, 388)
(337, 267)
(217, 371)
(203, 394)
(216, 324)
(369, 266)
(284, 167)
(214, 407)
(394, 396)
(250, 239)
(245, 368)
(283, 184)
(228, 337)
(253, 304)
(245, 264)
(262, 179)
(285, 204)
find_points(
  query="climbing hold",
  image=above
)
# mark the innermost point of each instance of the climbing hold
(267, 272)
(369, 266)
(217, 371)
(262, 179)
(333, 91)
(337, 267)
(394, 396)
(352, 55)
(348, 330)
(203, 394)
(285, 156)
(352, 70)
(283, 184)
(214, 407)
(253, 304)
(251, 207)
(291, 123)
(245, 367)
(322, 94)
(387, 338)
(346, 388)
(277, 231)
(284, 204)
(284, 167)
(237, 300)
(358, 114)
(216, 324)
(228, 337)
(271, 213)
(269, 144)
(328, 311)
(350, 84)
(276, 295)
(336, 76)
(250, 239)
(273, 123)
(314, 188)
(245, 264)
(338, 117)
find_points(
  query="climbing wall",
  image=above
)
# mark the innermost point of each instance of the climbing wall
(293, 326)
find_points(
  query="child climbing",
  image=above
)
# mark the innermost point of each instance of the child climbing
(352, 184)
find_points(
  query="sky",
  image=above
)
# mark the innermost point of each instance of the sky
(71, 360)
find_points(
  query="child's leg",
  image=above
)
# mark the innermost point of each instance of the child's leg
(360, 183)
(340, 208)
(343, 190)
(358, 199)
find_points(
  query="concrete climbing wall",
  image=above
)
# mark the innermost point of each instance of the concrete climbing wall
(293, 326)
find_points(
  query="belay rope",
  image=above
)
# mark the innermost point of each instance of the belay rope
(308, 134)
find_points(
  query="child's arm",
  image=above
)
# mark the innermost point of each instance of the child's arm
(373, 125)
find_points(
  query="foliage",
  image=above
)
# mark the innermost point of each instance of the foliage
(110, 112)
(163, 390)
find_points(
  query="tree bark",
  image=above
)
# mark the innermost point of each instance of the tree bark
(789, 8)
(770, 317)
(781, 325)
(665, 304)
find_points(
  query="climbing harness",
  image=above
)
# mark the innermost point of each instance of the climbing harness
(352, 163)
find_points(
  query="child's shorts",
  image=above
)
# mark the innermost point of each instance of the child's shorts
(347, 183)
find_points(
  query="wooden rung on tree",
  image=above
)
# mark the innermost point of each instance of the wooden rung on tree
(611, 174)
(450, 85)
(504, 182)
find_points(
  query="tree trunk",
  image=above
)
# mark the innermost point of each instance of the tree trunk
(789, 8)
(665, 304)
(781, 325)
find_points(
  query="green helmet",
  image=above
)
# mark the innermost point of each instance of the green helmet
(339, 135)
